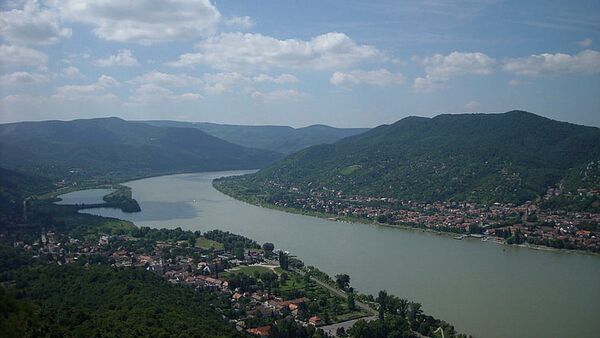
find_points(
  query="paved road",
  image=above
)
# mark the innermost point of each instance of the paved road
(332, 329)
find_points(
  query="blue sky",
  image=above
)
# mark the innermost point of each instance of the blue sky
(343, 63)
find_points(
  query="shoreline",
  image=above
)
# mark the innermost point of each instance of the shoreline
(328, 217)
(357, 220)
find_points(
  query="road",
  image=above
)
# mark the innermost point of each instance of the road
(332, 329)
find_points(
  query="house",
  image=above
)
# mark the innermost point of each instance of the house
(262, 331)
(315, 321)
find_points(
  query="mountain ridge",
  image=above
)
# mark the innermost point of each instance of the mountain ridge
(506, 157)
(282, 139)
(103, 145)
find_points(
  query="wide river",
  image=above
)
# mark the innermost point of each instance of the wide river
(484, 289)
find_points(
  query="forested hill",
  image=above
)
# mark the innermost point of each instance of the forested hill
(508, 157)
(111, 145)
(281, 139)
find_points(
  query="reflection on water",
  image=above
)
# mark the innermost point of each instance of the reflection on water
(154, 211)
(90, 196)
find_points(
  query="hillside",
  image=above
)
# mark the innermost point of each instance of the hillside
(508, 157)
(113, 146)
(280, 139)
(14, 187)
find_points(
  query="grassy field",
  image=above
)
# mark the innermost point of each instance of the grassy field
(248, 270)
(205, 243)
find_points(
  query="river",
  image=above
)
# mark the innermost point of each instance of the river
(484, 289)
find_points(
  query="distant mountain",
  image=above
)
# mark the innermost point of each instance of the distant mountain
(281, 139)
(509, 157)
(114, 146)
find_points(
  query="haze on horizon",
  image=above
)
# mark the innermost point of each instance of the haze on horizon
(342, 63)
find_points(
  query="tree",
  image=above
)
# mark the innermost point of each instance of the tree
(351, 301)
(283, 260)
(268, 247)
(342, 281)
(382, 300)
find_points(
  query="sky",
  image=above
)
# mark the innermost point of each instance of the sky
(343, 63)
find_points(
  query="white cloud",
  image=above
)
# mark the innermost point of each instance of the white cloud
(472, 105)
(123, 58)
(20, 78)
(281, 79)
(243, 22)
(152, 93)
(514, 82)
(279, 95)
(585, 42)
(94, 91)
(585, 62)
(141, 21)
(22, 56)
(440, 68)
(72, 72)
(218, 83)
(238, 51)
(165, 79)
(32, 24)
(379, 77)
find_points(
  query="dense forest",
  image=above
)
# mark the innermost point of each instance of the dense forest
(509, 157)
(100, 301)
(111, 147)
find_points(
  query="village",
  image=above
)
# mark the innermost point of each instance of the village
(525, 224)
(255, 285)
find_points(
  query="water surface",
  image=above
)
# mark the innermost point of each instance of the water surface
(484, 289)
(90, 196)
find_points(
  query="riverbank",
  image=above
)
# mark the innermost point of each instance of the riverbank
(360, 220)
(440, 272)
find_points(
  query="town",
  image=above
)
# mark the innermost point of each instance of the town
(259, 288)
(525, 224)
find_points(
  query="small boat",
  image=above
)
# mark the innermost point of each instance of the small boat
(460, 237)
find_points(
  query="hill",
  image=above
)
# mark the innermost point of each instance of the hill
(508, 157)
(14, 187)
(113, 146)
(99, 301)
(280, 139)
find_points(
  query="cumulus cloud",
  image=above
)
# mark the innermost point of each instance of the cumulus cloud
(152, 93)
(281, 79)
(98, 90)
(165, 79)
(71, 72)
(218, 83)
(141, 22)
(279, 95)
(441, 68)
(224, 82)
(21, 78)
(32, 24)
(22, 56)
(585, 42)
(472, 105)
(243, 22)
(514, 82)
(123, 58)
(379, 77)
(238, 51)
(585, 62)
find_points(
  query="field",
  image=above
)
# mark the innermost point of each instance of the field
(205, 243)
(248, 270)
